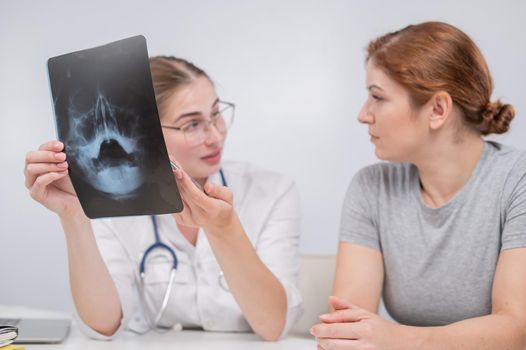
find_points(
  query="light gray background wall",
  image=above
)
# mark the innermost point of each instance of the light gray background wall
(294, 69)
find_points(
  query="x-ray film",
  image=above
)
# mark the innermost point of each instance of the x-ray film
(107, 118)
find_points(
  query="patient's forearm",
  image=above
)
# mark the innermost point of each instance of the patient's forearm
(92, 287)
(491, 332)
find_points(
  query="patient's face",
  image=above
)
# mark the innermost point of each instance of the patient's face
(396, 128)
(199, 157)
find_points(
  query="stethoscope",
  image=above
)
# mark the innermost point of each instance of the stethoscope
(156, 246)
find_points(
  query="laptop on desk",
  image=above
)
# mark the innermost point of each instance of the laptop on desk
(36, 330)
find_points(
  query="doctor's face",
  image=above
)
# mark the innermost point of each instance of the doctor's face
(395, 127)
(199, 153)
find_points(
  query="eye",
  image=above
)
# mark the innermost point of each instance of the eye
(192, 125)
(377, 98)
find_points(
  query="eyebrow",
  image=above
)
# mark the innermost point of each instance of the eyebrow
(194, 114)
(374, 86)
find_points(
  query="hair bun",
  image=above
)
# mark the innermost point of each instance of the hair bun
(496, 117)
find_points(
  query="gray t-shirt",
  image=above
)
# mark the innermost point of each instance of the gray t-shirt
(439, 263)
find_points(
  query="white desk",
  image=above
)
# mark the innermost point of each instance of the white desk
(187, 340)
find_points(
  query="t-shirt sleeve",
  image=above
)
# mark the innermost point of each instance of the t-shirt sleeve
(357, 220)
(514, 229)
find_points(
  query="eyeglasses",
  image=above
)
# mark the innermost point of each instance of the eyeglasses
(196, 128)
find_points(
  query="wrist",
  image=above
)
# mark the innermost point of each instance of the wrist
(223, 228)
(73, 220)
(69, 211)
(416, 337)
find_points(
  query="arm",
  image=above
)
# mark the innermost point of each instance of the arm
(93, 290)
(359, 275)
(256, 289)
(258, 292)
(504, 328)
(356, 327)
(94, 293)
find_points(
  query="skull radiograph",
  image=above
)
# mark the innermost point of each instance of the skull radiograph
(107, 117)
(106, 153)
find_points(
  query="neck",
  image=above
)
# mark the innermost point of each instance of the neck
(447, 167)
(190, 233)
(201, 181)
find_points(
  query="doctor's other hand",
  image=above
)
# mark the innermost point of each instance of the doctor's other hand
(351, 327)
(210, 208)
(46, 178)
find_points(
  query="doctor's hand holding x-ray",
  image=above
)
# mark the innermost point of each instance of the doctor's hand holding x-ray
(53, 189)
(94, 294)
(236, 261)
(210, 207)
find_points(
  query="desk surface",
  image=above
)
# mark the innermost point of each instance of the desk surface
(187, 339)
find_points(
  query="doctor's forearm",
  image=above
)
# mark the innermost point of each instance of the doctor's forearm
(92, 287)
(258, 292)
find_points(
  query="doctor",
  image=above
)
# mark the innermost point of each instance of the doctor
(236, 243)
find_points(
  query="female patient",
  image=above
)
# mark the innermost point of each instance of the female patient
(440, 231)
(236, 245)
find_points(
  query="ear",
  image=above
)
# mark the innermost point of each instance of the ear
(441, 105)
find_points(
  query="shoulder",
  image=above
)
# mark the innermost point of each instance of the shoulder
(384, 175)
(506, 162)
(505, 153)
(380, 182)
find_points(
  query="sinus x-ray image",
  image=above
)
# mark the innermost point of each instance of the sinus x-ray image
(107, 118)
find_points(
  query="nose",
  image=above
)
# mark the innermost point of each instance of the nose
(365, 116)
(212, 135)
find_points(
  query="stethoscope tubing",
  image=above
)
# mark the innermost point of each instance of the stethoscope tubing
(160, 245)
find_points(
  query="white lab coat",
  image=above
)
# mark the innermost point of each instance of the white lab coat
(268, 207)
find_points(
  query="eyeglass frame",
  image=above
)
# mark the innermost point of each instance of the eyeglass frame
(208, 121)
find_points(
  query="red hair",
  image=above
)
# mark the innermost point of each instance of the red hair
(434, 56)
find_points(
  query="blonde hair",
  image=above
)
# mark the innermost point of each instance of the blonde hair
(170, 74)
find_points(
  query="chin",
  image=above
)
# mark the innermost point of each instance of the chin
(379, 154)
(385, 156)
(212, 169)
(206, 170)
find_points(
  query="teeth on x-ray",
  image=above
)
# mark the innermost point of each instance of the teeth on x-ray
(106, 153)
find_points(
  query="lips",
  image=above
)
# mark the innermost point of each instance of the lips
(213, 158)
